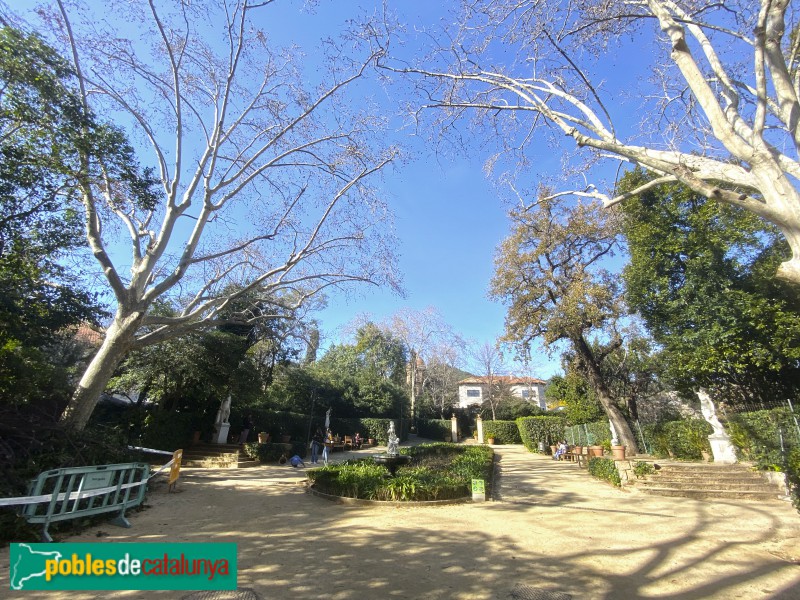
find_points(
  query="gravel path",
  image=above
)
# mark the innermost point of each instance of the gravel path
(552, 532)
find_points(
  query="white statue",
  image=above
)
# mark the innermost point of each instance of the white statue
(224, 411)
(709, 412)
(614, 437)
(394, 441)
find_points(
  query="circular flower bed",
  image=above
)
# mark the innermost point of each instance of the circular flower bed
(438, 471)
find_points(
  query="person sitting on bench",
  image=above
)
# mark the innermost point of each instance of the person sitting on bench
(561, 450)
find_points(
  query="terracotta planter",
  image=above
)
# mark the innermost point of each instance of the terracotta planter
(285, 439)
(371, 441)
(596, 451)
(553, 450)
(491, 441)
(196, 438)
(263, 438)
(618, 452)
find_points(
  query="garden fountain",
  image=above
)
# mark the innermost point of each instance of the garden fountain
(392, 459)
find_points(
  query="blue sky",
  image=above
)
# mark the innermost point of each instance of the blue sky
(449, 217)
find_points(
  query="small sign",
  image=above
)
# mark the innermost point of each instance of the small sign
(478, 490)
(97, 480)
(175, 469)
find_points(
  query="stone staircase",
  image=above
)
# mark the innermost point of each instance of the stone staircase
(209, 456)
(710, 481)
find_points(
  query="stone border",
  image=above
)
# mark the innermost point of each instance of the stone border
(360, 502)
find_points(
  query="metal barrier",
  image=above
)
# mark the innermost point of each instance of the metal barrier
(83, 491)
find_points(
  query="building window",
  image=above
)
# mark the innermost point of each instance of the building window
(526, 393)
(473, 393)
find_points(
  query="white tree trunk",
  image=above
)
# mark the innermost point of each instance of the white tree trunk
(118, 341)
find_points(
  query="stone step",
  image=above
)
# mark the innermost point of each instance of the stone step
(702, 467)
(707, 494)
(751, 486)
(734, 477)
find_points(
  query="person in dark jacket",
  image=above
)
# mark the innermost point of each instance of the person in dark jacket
(246, 427)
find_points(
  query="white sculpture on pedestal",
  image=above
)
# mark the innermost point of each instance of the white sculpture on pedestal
(614, 437)
(721, 446)
(394, 441)
(221, 424)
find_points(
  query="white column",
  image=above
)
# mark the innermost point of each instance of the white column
(454, 428)
(480, 429)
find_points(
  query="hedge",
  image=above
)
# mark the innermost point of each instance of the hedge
(757, 436)
(435, 429)
(503, 432)
(547, 429)
(604, 468)
(685, 439)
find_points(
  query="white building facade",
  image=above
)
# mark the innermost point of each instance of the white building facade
(474, 390)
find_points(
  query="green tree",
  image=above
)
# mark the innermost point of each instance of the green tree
(368, 374)
(575, 394)
(40, 121)
(700, 276)
(549, 272)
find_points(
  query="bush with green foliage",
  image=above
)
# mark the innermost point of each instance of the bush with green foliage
(685, 439)
(547, 429)
(793, 475)
(272, 451)
(604, 468)
(589, 434)
(758, 436)
(434, 429)
(503, 432)
(438, 471)
(643, 469)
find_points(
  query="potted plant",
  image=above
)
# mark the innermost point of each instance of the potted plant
(618, 452)
(263, 437)
(491, 440)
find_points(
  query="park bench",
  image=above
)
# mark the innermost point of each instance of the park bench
(581, 457)
(75, 492)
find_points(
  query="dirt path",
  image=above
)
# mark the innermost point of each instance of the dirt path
(552, 528)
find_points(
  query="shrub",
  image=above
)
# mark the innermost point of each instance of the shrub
(685, 439)
(271, 451)
(503, 432)
(547, 429)
(642, 469)
(434, 429)
(438, 471)
(757, 436)
(604, 468)
(588, 434)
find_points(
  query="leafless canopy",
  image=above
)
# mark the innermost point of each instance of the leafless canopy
(716, 90)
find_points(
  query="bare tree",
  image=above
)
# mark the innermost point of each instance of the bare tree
(490, 362)
(264, 173)
(441, 377)
(720, 108)
(421, 332)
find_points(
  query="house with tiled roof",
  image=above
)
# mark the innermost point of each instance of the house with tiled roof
(474, 390)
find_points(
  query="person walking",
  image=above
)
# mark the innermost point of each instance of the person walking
(327, 446)
(246, 427)
(317, 445)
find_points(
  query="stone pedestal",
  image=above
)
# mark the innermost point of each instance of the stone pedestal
(723, 450)
(221, 433)
(454, 427)
(479, 422)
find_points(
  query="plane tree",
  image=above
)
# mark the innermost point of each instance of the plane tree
(713, 84)
(262, 170)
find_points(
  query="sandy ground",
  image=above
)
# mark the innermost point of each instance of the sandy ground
(551, 528)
